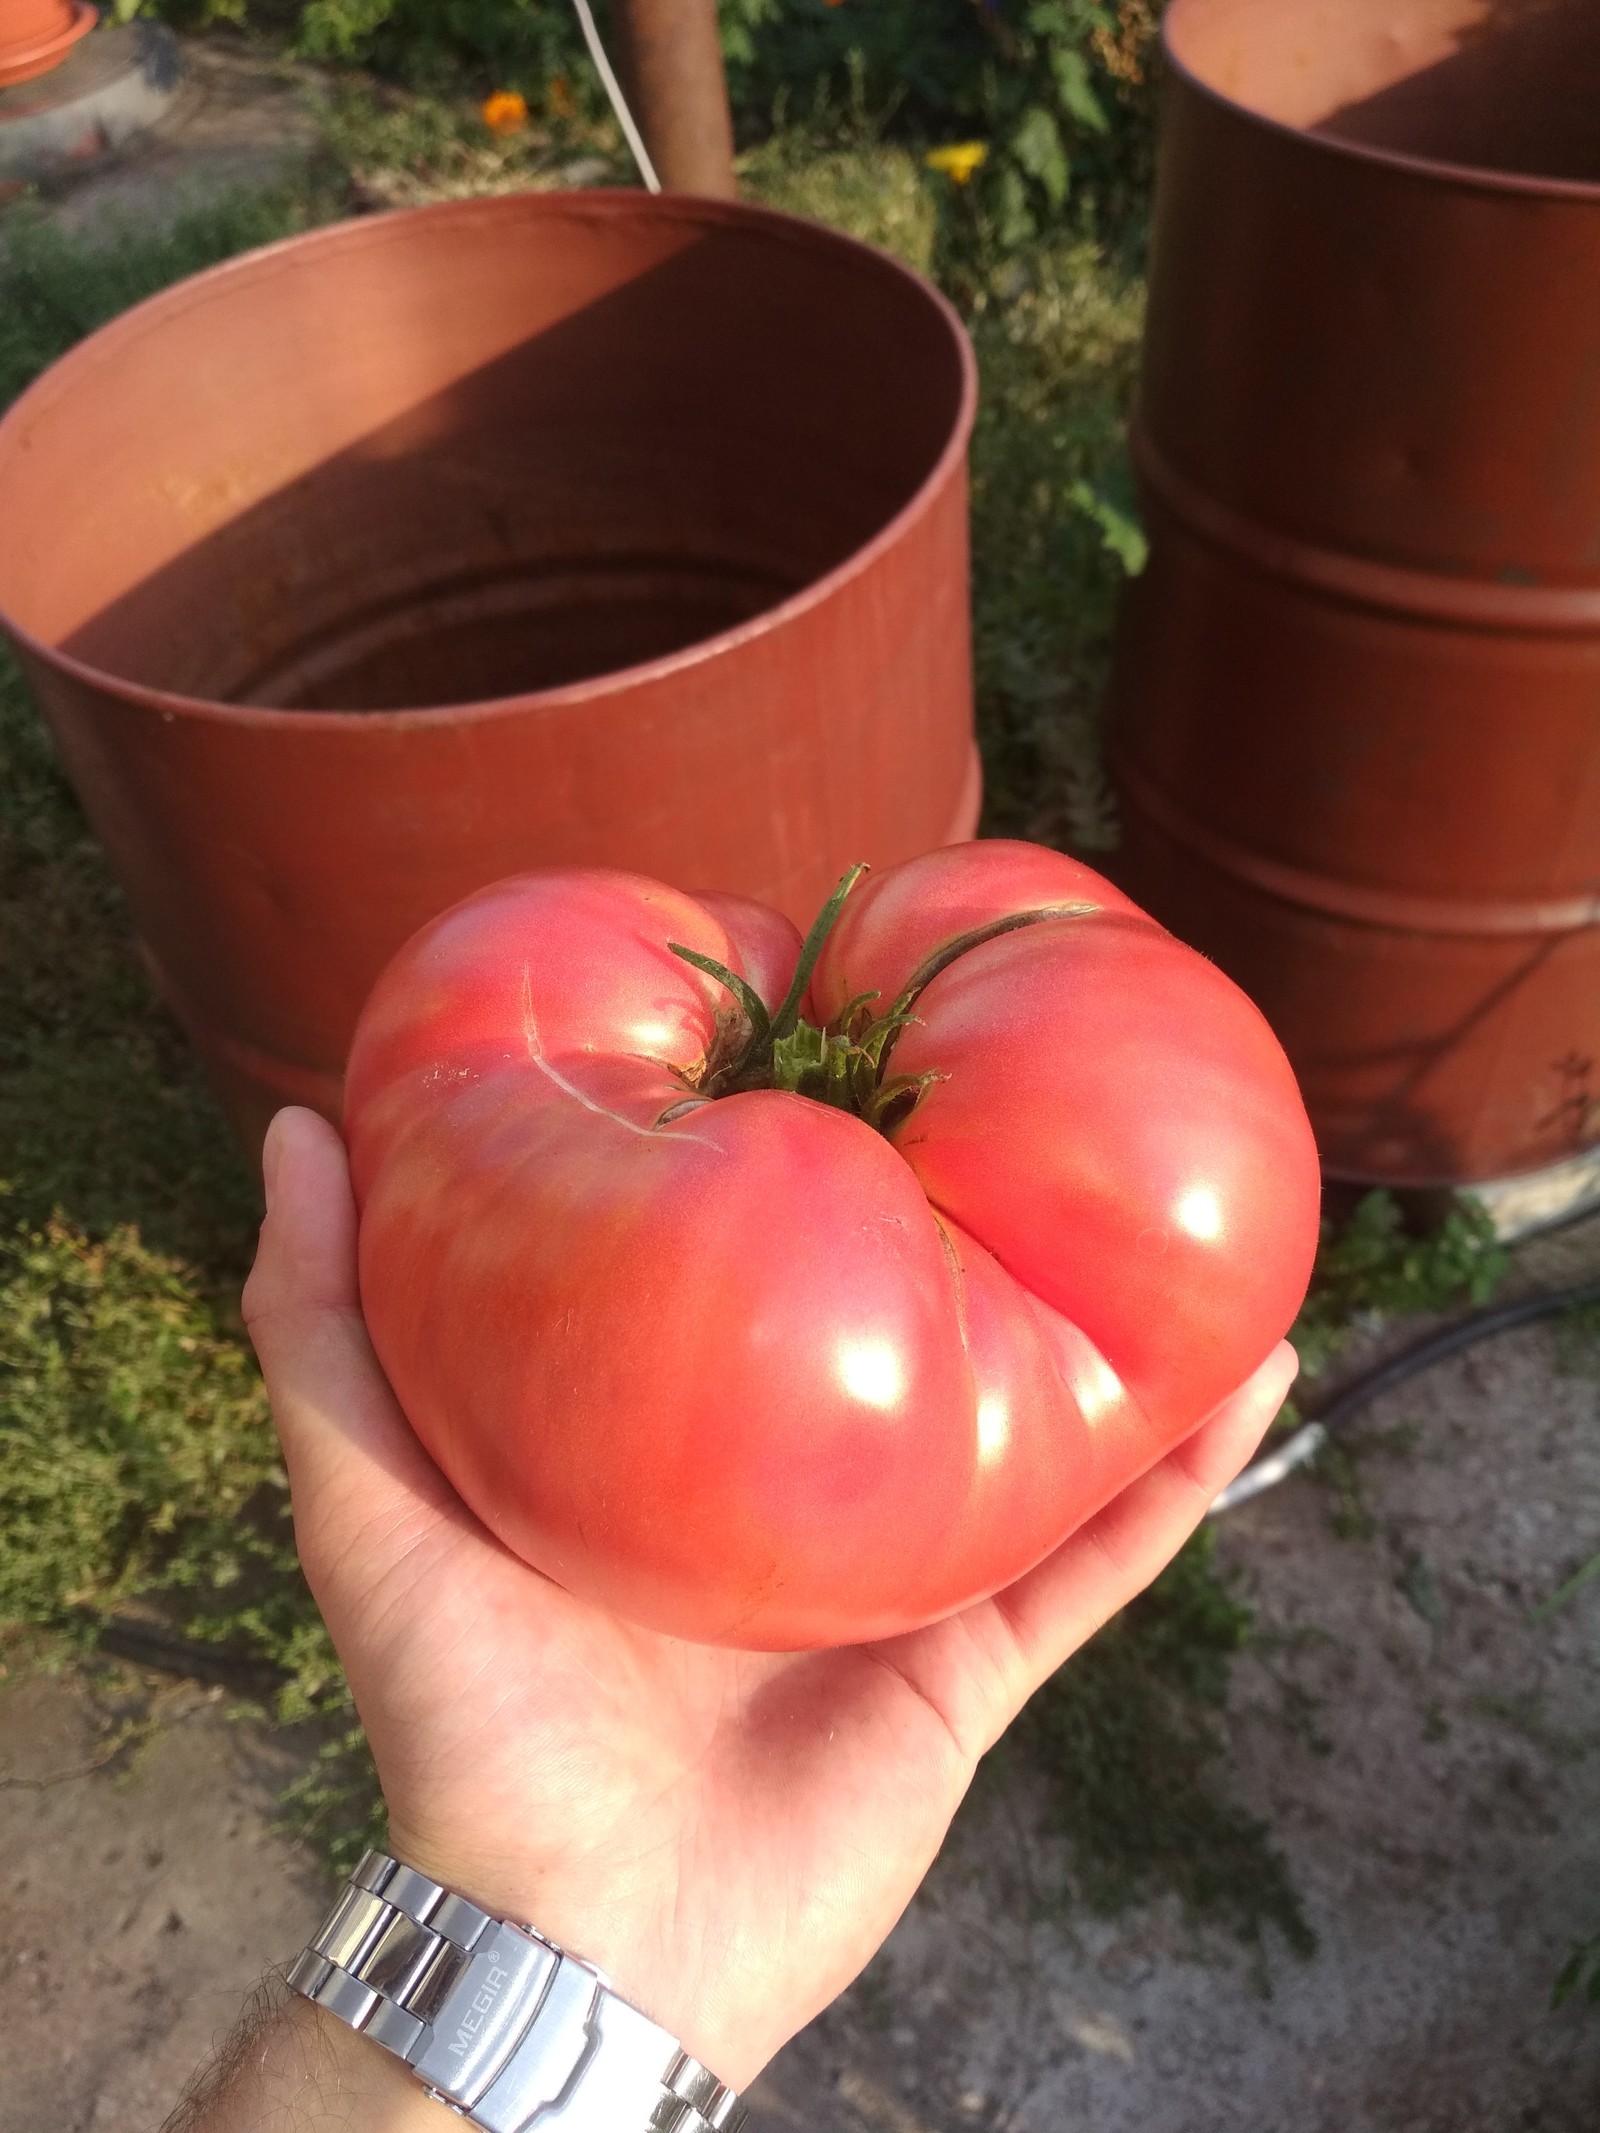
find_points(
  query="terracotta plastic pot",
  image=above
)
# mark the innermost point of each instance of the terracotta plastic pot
(1357, 701)
(552, 529)
(36, 35)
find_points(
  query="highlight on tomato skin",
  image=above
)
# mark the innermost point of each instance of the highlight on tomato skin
(789, 1294)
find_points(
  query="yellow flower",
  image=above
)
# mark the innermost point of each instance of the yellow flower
(504, 112)
(959, 160)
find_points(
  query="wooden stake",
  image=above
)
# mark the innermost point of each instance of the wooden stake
(671, 57)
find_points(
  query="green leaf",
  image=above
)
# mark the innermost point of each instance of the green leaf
(787, 1012)
(337, 29)
(1071, 71)
(1373, 1264)
(1120, 531)
(1036, 144)
(1581, 1971)
(1563, 1593)
(1069, 20)
(755, 1008)
(1420, 1588)
(1014, 222)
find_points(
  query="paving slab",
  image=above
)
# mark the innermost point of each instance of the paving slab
(239, 119)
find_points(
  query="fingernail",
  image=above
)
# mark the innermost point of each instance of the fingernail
(271, 1157)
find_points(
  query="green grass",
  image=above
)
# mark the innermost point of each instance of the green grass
(54, 289)
(138, 1468)
(874, 189)
(401, 149)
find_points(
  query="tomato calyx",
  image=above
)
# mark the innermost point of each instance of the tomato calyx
(842, 1062)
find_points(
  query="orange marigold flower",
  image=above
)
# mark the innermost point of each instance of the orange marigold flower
(504, 112)
(558, 95)
(959, 160)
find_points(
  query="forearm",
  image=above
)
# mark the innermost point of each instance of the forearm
(288, 2068)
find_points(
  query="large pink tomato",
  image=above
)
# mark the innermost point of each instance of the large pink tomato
(786, 1321)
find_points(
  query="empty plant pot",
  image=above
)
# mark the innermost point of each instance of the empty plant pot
(552, 529)
(1357, 700)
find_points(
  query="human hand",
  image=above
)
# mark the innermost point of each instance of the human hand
(729, 1835)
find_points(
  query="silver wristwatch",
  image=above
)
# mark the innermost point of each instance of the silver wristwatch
(496, 2021)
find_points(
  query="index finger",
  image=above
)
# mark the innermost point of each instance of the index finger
(1115, 1555)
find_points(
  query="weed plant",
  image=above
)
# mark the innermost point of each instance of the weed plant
(1372, 1266)
(1130, 1737)
(1580, 1975)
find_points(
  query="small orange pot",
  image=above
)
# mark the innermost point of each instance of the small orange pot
(36, 35)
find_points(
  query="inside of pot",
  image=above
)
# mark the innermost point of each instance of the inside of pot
(463, 455)
(1501, 85)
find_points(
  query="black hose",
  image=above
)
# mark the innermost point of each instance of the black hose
(1278, 1464)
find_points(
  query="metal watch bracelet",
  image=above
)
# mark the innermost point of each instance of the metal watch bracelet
(496, 2021)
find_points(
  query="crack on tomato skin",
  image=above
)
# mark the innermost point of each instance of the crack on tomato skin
(538, 1058)
(674, 1112)
(958, 1282)
(567, 1088)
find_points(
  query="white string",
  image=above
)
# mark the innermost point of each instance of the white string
(619, 103)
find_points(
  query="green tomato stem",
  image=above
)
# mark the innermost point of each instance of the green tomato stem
(941, 959)
(841, 1064)
(749, 999)
(788, 1012)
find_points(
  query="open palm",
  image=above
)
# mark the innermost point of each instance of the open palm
(730, 1835)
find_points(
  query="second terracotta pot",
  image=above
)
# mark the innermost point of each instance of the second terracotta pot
(556, 529)
(1358, 693)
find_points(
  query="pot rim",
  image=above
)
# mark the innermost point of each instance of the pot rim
(26, 62)
(103, 345)
(1467, 177)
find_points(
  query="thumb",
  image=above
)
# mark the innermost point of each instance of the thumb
(361, 1483)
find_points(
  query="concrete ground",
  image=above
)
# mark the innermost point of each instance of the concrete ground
(240, 120)
(1426, 1754)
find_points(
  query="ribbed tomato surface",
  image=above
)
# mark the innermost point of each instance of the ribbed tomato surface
(749, 1370)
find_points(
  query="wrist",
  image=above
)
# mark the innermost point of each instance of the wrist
(594, 1912)
(493, 2017)
(294, 2069)
(362, 2089)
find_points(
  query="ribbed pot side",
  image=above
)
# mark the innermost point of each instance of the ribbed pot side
(544, 530)
(1356, 718)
